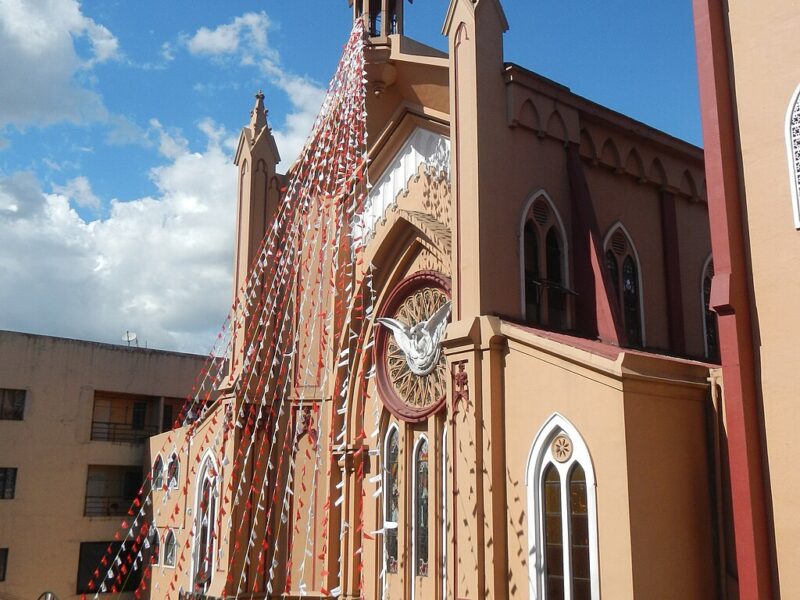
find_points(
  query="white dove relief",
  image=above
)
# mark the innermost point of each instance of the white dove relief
(421, 343)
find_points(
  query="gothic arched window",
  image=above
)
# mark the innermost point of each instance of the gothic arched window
(391, 492)
(173, 472)
(170, 549)
(205, 526)
(530, 247)
(420, 518)
(562, 515)
(158, 473)
(623, 269)
(544, 265)
(710, 338)
(155, 546)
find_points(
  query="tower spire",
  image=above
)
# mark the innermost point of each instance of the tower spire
(258, 116)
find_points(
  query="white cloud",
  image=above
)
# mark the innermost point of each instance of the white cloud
(160, 266)
(40, 62)
(245, 40)
(247, 34)
(79, 190)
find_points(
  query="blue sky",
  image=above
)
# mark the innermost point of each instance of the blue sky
(118, 122)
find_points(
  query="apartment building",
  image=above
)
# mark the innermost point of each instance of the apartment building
(74, 418)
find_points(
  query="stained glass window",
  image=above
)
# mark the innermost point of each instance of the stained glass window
(579, 535)
(206, 520)
(421, 509)
(563, 529)
(553, 536)
(630, 301)
(392, 499)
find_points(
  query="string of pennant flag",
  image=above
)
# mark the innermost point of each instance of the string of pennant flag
(293, 332)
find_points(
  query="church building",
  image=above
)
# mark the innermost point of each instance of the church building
(536, 411)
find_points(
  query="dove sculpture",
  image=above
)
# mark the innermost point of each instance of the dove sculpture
(420, 342)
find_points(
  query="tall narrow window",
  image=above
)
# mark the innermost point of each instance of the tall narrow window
(155, 546)
(173, 471)
(623, 270)
(630, 301)
(579, 534)
(531, 257)
(170, 549)
(562, 515)
(556, 299)
(3, 563)
(546, 295)
(8, 483)
(709, 316)
(205, 527)
(391, 494)
(158, 473)
(421, 508)
(553, 534)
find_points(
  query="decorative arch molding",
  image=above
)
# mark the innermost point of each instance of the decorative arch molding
(526, 209)
(559, 445)
(618, 226)
(528, 116)
(557, 127)
(793, 152)
(634, 165)
(423, 147)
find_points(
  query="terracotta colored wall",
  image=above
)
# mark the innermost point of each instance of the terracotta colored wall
(763, 38)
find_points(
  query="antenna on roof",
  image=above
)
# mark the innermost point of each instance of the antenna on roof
(130, 337)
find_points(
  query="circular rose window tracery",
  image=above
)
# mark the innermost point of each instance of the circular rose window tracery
(411, 379)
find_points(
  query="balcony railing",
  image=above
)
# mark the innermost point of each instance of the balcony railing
(106, 506)
(124, 433)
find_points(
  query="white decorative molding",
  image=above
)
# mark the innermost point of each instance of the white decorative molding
(541, 454)
(423, 147)
(793, 152)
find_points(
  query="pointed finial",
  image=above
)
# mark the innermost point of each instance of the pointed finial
(258, 116)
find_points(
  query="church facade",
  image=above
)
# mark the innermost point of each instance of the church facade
(543, 420)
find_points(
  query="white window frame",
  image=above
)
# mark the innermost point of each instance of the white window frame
(161, 473)
(606, 241)
(413, 498)
(564, 244)
(170, 533)
(539, 458)
(794, 170)
(209, 464)
(157, 542)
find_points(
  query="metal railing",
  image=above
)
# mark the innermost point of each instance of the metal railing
(124, 433)
(106, 506)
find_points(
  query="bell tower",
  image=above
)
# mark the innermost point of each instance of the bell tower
(382, 18)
